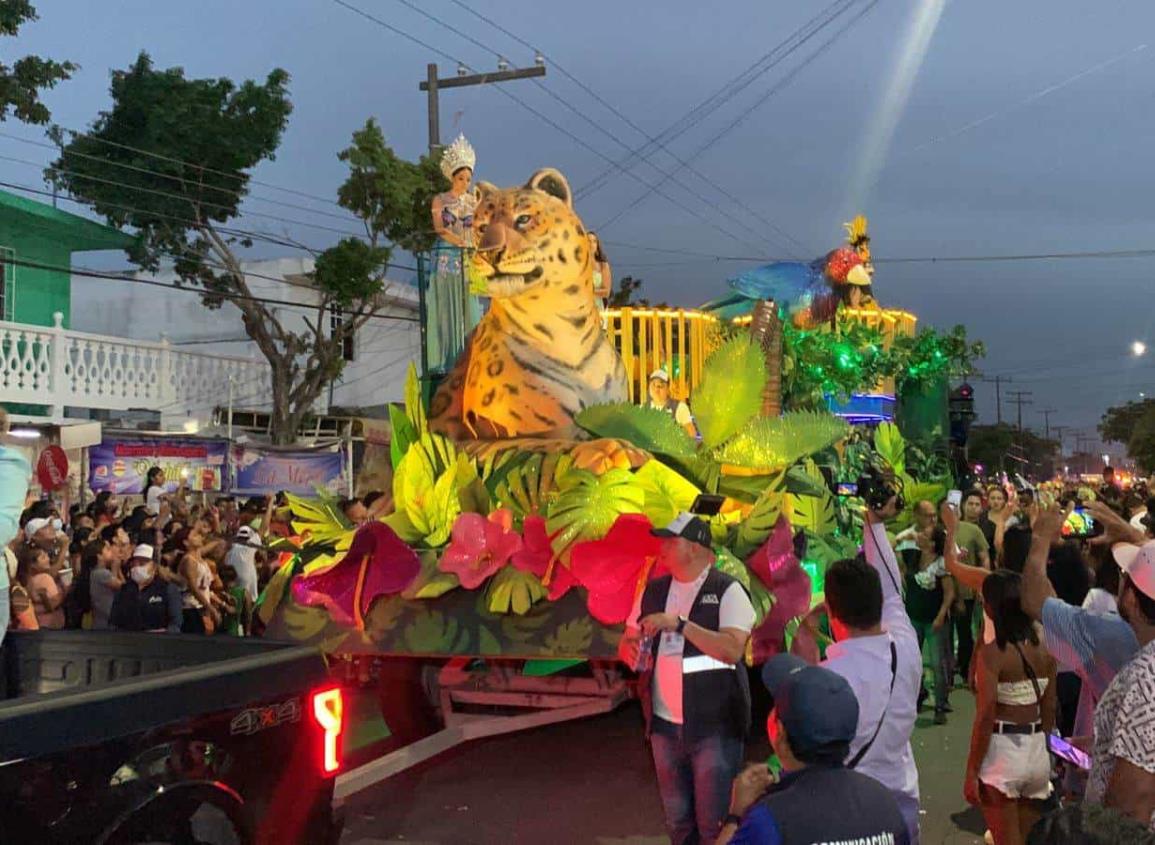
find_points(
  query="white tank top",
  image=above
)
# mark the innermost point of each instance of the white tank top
(203, 582)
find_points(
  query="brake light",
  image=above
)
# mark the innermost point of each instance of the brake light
(329, 714)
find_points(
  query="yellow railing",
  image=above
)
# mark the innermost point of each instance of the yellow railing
(676, 339)
(680, 340)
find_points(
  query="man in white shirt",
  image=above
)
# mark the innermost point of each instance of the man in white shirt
(877, 652)
(695, 696)
(661, 400)
(242, 557)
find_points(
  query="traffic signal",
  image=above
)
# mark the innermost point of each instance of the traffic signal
(962, 412)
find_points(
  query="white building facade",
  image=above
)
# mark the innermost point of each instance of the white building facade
(214, 358)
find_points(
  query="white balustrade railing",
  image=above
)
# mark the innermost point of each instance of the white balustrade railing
(61, 368)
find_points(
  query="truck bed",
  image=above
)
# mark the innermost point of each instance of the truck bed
(73, 689)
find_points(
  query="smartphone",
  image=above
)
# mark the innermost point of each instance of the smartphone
(1061, 748)
(184, 472)
(707, 504)
(1079, 524)
(846, 488)
(954, 499)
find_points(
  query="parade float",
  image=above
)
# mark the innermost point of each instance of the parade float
(525, 490)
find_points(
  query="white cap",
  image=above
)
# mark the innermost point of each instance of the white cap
(144, 550)
(35, 525)
(1139, 564)
(660, 374)
(246, 535)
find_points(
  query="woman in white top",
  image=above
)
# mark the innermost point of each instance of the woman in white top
(198, 600)
(1008, 770)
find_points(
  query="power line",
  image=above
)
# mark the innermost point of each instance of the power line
(85, 272)
(222, 229)
(774, 89)
(623, 117)
(728, 91)
(201, 167)
(546, 119)
(64, 151)
(169, 195)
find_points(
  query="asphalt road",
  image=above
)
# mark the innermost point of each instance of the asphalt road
(591, 782)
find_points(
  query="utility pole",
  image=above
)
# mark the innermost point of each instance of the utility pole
(433, 84)
(998, 382)
(1046, 412)
(1059, 429)
(1017, 398)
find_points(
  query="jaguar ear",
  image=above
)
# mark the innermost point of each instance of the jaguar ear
(553, 183)
(483, 189)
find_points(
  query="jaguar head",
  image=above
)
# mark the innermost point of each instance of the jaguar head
(529, 238)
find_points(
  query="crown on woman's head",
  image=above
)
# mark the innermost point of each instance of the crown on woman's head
(457, 155)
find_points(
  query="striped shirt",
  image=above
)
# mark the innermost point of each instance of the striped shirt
(1095, 645)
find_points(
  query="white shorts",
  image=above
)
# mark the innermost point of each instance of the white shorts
(1018, 765)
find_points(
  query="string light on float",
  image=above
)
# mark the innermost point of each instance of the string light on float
(1138, 348)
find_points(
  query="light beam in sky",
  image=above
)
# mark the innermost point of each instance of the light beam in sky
(880, 133)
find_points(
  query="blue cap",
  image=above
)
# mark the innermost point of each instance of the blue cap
(817, 707)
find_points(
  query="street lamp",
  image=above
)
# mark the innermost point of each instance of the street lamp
(1138, 348)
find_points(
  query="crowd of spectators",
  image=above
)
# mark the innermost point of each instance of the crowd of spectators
(163, 562)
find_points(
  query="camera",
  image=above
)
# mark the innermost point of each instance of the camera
(876, 487)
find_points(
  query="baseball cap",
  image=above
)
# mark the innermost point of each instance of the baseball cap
(144, 550)
(688, 527)
(248, 536)
(660, 374)
(35, 525)
(1139, 564)
(817, 707)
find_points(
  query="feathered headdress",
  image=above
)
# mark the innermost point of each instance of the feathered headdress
(856, 236)
(457, 155)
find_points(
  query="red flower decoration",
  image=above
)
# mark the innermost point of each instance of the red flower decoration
(612, 569)
(776, 566)
(535, 552)
(479, 546)
(378, 563)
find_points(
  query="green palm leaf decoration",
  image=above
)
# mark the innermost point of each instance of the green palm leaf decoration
(891, 446)
(726, 562)
(769, 444)
(730, 392)
(666, 492)
(647, 428)
(426, 503)
(587, 506)
(414, 407)
(814, 513)
(531, 487)
(759, 523)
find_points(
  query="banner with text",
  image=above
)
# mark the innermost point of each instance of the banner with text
(263, 472)
(121, 465)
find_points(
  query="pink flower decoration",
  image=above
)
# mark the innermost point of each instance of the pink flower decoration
(535, 552)
(378, 563)
(612, 568)
(479, 546)
(776, 566)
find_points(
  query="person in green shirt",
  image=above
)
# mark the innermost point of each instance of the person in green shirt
(973, 542)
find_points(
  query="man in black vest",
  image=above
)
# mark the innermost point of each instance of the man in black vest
(695, 697)
(813, 722)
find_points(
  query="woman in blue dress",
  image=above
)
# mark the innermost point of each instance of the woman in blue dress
(451, 312)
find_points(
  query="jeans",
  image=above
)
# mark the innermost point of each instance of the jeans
(934, 645)
(965, 634)
(694, 779)
(909, 808)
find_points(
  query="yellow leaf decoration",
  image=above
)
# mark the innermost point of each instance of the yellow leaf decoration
(514, 590)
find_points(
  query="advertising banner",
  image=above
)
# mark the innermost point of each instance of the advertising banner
(261, 472)
(120, 465)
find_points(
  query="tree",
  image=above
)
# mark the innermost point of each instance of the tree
(182, 213)
(1132, 424)
(22, 83)
(626, 294)
(1004, 447)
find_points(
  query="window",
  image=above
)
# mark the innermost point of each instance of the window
(347, 343)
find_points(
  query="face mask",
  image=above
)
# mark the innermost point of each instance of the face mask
(141, 574)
